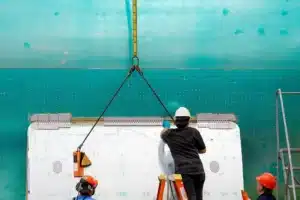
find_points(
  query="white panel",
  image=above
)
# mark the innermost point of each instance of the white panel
(125, 161)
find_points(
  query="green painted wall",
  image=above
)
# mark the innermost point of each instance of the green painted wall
(250, 94)
(211, 56)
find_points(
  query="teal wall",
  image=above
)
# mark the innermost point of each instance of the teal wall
(177, 33)
(211, 56)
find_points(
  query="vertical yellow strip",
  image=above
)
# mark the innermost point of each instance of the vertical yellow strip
(134, 27)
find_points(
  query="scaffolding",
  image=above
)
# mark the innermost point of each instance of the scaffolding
(290, 181)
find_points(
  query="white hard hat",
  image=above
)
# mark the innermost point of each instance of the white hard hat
(182, 112)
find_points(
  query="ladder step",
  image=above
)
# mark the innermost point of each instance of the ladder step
(293, 168)
(296, 186)
(293, 150)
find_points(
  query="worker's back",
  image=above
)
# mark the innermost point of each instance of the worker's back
(184, 144)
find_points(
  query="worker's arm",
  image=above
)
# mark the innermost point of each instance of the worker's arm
(202, 151)
(163, 134)
(164, 131)
(199, 143)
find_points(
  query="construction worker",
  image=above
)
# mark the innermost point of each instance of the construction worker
(266, 183)
(185, 144)
(86, 188)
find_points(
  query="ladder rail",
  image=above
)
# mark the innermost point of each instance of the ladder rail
(293, 93)
(279, 95)
(288, 191)
(278, 148)
(285, 176)
(284, 171)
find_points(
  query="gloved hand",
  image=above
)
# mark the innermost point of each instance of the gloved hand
(166, 124)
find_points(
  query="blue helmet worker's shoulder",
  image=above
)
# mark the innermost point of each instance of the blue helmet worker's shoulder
(84, 198)
(89, 198)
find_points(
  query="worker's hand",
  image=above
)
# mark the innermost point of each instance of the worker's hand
(166, 124)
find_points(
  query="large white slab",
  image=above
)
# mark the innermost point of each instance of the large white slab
(125, 161)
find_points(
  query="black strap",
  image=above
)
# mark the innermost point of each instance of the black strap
(106, 107)
(131, 70)
(157, 97)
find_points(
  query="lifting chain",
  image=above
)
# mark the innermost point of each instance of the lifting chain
(135, 67)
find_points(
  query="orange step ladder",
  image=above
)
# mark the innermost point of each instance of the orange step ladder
(175, 183)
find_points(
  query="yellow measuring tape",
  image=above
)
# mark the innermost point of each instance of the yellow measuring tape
(134, 28)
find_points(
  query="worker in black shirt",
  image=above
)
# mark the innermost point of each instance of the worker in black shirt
(185, 144)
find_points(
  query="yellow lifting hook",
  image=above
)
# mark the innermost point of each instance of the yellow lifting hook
(134, 33)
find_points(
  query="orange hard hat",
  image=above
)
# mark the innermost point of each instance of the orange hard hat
(267, 180)
(90, 180)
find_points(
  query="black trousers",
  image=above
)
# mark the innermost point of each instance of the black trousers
(193, 185)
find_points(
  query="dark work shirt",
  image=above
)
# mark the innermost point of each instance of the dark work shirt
(185, 145)
(266, 197)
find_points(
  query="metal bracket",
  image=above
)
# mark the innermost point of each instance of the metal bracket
(216, 125)
(51, 121)
(216, 121)
(208, 117)
(133, 121)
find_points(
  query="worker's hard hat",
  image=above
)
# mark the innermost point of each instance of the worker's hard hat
(90, 180)
(182, 112)
(87, 185)
(267, 180)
